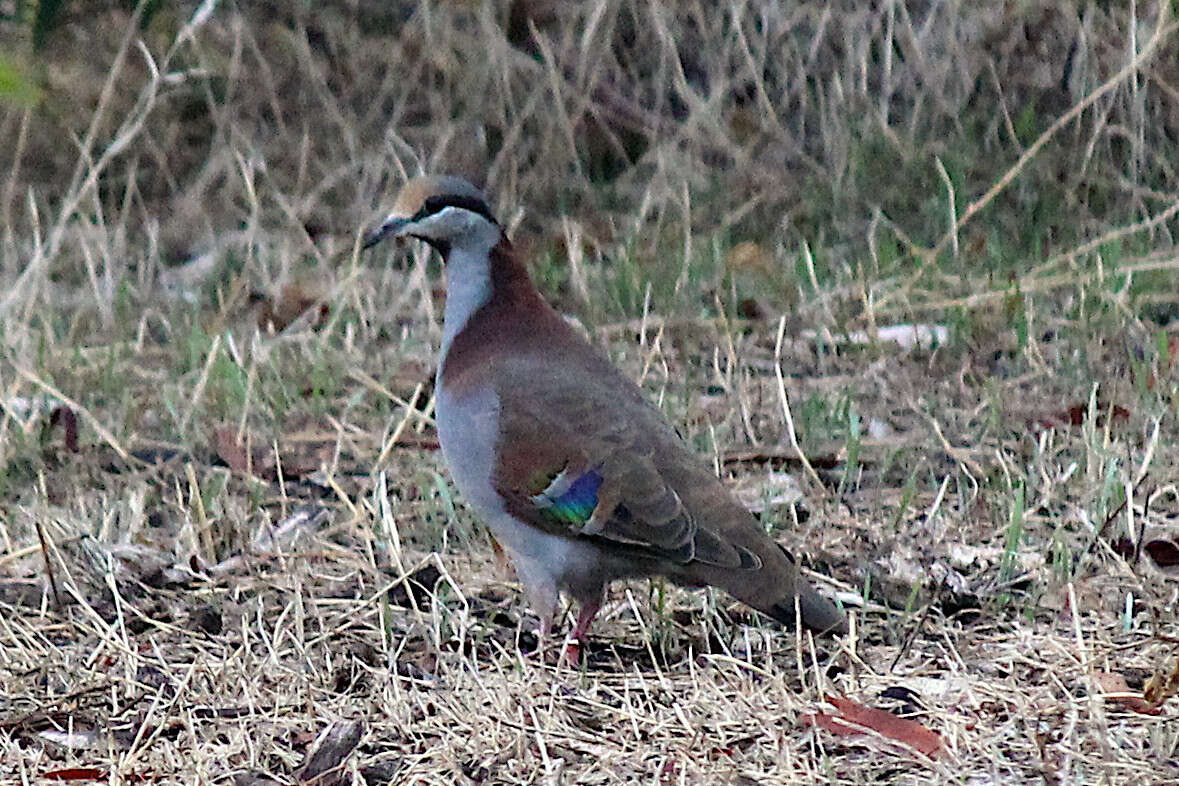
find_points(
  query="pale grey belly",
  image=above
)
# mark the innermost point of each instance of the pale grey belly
(468, 430)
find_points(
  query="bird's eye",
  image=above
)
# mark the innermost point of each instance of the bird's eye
(439, 202)
(431, 206)
(435, 204)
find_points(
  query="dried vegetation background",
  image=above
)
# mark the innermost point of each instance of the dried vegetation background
(927, 246)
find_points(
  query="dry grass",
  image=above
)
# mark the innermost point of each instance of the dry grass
(254, 540)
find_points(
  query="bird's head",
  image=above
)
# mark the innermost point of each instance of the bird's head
(445, 211)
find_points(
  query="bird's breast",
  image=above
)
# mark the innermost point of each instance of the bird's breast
(468, 428)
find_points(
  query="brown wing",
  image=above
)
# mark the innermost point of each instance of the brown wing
(580, 460)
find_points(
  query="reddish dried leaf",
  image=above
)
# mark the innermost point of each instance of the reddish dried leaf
(258, 461)
(69, 423)
(276, 314)
(1113, 683)
(1161, 687)
(830, 723)
(230, 450)
(854, 717)
(75, 774)
(1165, 553)
(1076, 415)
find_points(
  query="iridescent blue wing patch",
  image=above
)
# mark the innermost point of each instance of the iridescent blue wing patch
(570, 499)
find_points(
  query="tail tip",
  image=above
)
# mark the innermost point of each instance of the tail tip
(819, 614)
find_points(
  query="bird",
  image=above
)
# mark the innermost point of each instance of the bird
(578, 476)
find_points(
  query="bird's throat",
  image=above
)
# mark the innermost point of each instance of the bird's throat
(468, 288)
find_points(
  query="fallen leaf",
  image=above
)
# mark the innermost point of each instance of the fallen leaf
(75, 774)
(333, 745)
(1161, 687)
(275, 313)
(302, 451)
(854, 718)
(234, 453)
(69, 423)
(1077, 414)
(1165, 553)
(1114, 686)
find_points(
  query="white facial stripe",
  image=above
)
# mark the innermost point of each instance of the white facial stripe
(450, 224)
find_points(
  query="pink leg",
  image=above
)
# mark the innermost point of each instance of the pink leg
(585, 618)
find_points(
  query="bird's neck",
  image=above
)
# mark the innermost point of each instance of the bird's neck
(468, 288)
(483, 277)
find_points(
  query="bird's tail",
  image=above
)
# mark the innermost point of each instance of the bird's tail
(778, 590)
(818, 613)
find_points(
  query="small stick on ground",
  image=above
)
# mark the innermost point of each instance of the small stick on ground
(48, 565)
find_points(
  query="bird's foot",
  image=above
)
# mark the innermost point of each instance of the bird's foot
(571, 653)
(572, 650)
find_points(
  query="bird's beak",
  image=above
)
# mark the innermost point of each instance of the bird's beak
(390, 226)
